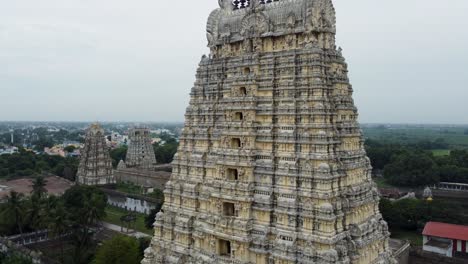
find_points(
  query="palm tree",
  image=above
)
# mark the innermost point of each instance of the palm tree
(39, 187)
(15, 208)
(59, 224)
(36, 213)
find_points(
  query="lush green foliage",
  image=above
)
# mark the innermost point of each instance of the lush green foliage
(27, 163)
(413, 166)
(412, 214)
(149, 219)
(454, 137)
(119, 250)
(412, 169)
(75, 213)
(118, 154)
(14, 258)
(165, 152)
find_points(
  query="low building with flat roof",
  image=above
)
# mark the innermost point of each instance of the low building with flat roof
(445, 239)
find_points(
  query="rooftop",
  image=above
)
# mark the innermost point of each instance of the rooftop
(444, 230)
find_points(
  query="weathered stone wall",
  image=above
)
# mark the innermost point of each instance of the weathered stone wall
(9, 247)
(449, 194)
(155, 179)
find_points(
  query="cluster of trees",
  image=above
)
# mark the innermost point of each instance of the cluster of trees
(26, 163)
(165, 152)
(75, 214)
(413, 214)
(416, 165)
(14, 258)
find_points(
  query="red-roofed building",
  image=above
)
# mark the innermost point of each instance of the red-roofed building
(445, 239)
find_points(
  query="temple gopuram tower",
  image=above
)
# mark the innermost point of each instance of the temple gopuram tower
(271, 167)
(140, 153)
(95, 164)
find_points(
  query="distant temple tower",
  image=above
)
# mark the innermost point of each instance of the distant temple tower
(271, 167)
(95, 165)
(140, 152)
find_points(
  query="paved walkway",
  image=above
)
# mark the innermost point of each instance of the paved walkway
(117, 228)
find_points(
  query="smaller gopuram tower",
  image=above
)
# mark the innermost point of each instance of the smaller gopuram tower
(95, 165)
(140, 152)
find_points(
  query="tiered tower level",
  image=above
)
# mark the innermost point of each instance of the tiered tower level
(140, 152)
(271, 166)
(95, 165)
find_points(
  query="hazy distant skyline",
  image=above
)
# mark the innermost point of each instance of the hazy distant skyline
(84, 60)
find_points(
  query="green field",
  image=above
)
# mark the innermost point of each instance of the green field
(382, 183)
(455, 136)
(114, 214)
(441, 152)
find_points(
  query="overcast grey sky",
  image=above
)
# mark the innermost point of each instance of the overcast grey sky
(122, 60)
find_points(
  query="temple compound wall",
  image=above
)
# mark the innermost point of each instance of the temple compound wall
(271, 166)
(154, 179)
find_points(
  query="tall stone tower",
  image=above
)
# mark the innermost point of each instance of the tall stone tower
(271, 166)
(140, 152)
(95, 165)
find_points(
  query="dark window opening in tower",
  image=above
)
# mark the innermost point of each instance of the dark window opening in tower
(243, 91)
(246, 70)
(233, 174)
(224, 248)
(236, 143)
(229, 209)
(239, 116)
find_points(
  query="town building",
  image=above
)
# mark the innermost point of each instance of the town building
(271, 166)
(8, 150)
(95, 164)
(445, 239)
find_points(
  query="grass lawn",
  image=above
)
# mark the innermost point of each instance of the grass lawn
(414, 237)
(131, 188)
(441, 152)
(382, 183)
(114, 214)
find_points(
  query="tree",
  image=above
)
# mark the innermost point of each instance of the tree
(70, 149)
(86, 205)
(412, 169)
(39, 187)
(150, 218)
(165, 153)
(15, 209)
(14, 258)
(118, 154)
(118, 250)
(59, 223)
